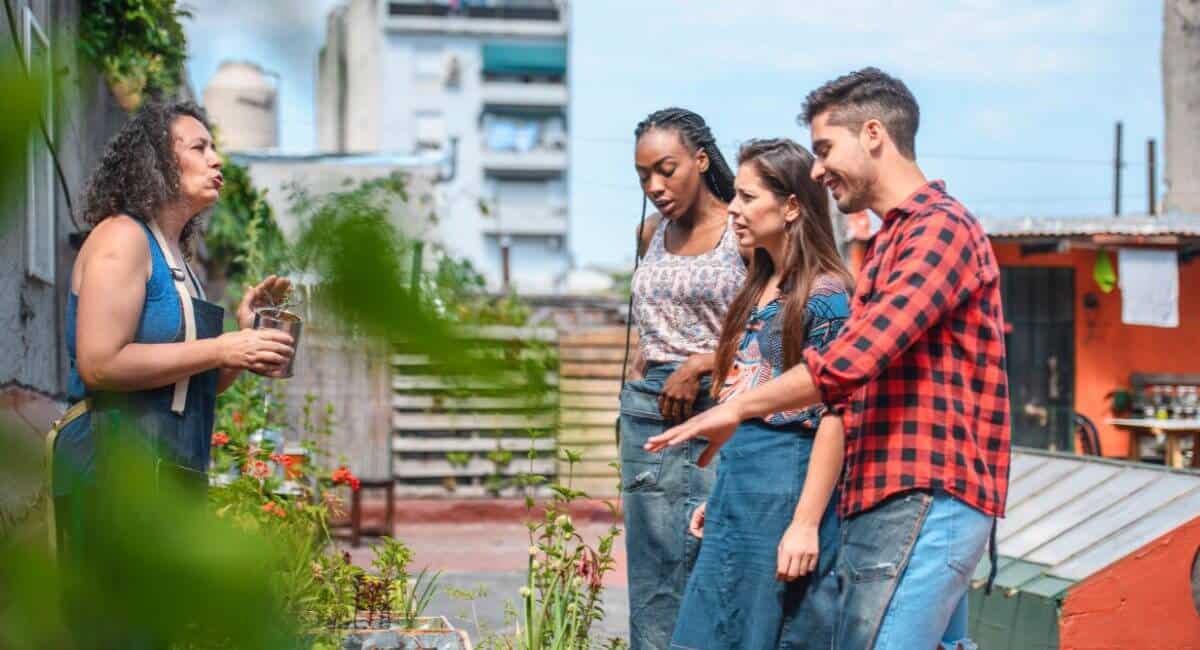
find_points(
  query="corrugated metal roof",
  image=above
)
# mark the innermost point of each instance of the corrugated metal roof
(1180, 225)
(1071, 516)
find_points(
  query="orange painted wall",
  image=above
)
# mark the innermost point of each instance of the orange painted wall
(1107, 351)
(1142, 601)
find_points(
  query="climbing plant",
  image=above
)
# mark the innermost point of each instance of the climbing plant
(139, 45)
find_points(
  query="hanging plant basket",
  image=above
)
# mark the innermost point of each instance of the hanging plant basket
(128, 91)
(139, 46)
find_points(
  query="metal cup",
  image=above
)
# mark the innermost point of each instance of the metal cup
(280, 319)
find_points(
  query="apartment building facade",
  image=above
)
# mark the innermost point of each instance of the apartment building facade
(483, 84)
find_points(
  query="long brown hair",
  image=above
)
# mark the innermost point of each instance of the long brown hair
(784, 168)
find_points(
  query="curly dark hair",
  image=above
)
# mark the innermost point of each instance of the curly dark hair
(867, 94)
(139, 173)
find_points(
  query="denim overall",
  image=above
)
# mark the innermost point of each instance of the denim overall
(733, 599)
(179, 443)
(659, 492)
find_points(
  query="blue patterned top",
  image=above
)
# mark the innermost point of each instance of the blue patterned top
(759, 357)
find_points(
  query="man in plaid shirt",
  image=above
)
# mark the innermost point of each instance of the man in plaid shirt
(920, 367)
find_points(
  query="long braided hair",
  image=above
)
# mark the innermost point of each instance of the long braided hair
(696, 135)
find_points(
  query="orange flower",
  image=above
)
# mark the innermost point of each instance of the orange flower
(275, 509)
(220, 439)
(284, 460)
(237, 418)
(343, 475)
(258, 469)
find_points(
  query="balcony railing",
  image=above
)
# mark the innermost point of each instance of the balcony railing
(526, 220)
(529, 10)
(514, 93)
(538, 161)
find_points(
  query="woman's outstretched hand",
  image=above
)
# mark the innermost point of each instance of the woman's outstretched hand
(271, 291)
(716, 425)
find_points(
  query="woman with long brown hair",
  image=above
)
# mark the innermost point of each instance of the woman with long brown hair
(764, 576)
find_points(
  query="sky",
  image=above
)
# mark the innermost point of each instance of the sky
(1018, 98)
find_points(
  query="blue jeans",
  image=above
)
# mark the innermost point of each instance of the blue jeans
(904, 570)
(733, 599)
(659, 492)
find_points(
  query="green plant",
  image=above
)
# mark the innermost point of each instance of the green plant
(565, 578)
(137, 44)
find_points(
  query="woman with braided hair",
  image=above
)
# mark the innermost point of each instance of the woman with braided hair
(690, 271)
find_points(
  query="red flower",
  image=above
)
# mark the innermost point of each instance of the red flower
(220, 439)
(237, 418)
(284, 460)
(588, 568)
(258, 469)
(275, 509)
(343, 475)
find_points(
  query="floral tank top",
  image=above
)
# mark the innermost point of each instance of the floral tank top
(679, 301)
(759, 357)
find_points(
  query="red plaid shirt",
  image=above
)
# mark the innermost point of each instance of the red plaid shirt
(921, 361)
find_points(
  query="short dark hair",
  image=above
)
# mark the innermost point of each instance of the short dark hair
(867, 94)
(138, 173)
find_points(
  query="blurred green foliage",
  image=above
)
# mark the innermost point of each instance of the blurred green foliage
(138, 44)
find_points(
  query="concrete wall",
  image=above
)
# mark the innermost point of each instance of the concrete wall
(1145, 600)
(276, 174)
(33, 366)
(1181, 100)
(365, 99)
(86, 116)
(331, 79)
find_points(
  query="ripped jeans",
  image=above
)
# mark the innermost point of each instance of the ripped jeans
(904, 570)
(659, 491)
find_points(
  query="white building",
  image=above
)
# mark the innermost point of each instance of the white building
(318, 174)
(486, 80)
(241, 103)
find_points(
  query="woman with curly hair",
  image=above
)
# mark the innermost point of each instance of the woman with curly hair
(147, 351)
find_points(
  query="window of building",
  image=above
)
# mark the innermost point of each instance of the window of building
(430, 128)
(429, 65)
(40, 213)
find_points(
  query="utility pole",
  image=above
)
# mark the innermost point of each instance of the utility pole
(1117, 164)
(1151, 177)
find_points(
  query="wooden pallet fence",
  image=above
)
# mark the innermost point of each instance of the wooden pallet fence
(451, 435)
(589, 389)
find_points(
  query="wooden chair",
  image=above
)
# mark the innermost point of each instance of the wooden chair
(354, 528)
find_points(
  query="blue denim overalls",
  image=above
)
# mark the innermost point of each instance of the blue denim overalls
(179, 443)
(733, 599)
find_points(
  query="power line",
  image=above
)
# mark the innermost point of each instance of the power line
(1051, 160)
